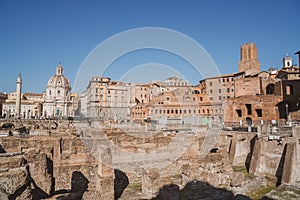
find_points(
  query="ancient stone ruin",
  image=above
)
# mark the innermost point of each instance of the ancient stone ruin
(212, 164)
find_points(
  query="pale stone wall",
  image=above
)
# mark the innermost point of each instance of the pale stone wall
(292, 160)
(240, 148)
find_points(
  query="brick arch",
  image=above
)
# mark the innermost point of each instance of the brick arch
(53, 125)
(270, 89)
(8, 125)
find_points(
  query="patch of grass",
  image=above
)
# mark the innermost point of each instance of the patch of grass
(261, 192)
(177, 176)
(286, 193)
(135, 186)
(271, 178)
(243, 170)
(239, 169)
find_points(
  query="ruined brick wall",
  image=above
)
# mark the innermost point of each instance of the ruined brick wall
(247, 86)
(256, 108)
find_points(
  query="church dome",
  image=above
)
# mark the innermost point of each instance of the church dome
(59, 80)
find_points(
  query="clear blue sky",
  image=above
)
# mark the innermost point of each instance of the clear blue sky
(36, 35)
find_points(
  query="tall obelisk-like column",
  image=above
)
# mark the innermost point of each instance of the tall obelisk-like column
(19, 93)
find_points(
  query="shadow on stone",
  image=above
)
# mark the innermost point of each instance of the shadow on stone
(266, 198)
(195, 190)
(19, 191)
(49, 164)
(79, 184)
(171, 192)
(249, 156)
(279, 170)
(1, 149)
(120, 183)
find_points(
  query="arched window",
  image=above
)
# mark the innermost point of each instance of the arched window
(270, 89)
(195, 92)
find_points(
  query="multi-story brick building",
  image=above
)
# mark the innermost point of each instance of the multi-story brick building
(247, 97)
(107, 100)
(177, 101)
(265, 96)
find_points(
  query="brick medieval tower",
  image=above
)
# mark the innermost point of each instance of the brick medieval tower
(249, 59)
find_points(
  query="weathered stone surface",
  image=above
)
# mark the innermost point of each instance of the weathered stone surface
(15, 184)
(88, 195)
(41, 172)
(237, 179)
(87, 172)
(284, 192)
(53, 163)
(266, 156)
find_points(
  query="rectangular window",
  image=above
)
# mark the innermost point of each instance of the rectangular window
(249, 109)
(239, 112)
(258, 112)
(220, 90)
(211, 98)
(289, 90)
(211, 91)
(201, 98)
(210, 83)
